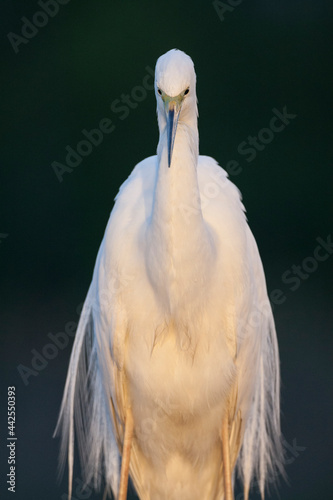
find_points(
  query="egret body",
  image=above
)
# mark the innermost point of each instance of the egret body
(175, 363)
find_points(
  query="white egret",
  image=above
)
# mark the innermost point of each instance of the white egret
(175, 364)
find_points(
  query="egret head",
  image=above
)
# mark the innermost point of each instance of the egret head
(175, 82)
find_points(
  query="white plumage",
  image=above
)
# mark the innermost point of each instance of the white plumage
(176, 326)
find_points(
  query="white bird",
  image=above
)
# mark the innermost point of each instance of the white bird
(175, 366)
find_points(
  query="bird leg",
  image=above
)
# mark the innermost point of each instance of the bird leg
(228, 494)
(126, 455)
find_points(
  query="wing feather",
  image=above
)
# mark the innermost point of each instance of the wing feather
(94, 400)
(89, 403)
(254, 403)
(261, 457)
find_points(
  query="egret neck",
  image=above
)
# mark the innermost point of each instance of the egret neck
(180, 243)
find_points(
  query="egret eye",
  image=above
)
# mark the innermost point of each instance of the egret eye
(159, 91)
(187, 91)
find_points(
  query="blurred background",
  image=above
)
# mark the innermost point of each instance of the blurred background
(72, 66)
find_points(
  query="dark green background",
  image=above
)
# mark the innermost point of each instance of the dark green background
(263, 55)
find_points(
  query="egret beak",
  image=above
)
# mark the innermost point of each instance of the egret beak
(172, 108)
